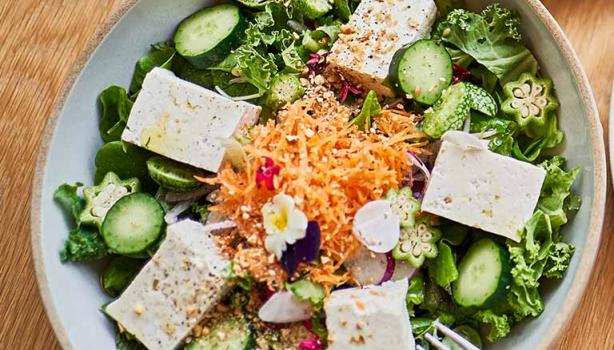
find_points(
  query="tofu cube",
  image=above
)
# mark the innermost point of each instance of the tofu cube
(479, 188)
(370, 318)
(170, 295)
(184, 121)
(375, 32)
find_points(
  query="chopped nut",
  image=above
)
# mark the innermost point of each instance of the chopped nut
(138, 310)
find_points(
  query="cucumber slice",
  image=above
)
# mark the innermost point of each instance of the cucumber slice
(133, 223)
(484, 275)
(481, 100)
(172, 175)
(207, 37)
(312, 9)
(449, 113)
(422, 70)
(285, 88)
(229, 333)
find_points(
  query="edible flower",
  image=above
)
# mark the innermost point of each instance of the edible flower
(310, 344)
(459, 73)
(346, 89)
(317, 62)
(304, 250)
(284, 224)
(266, 173)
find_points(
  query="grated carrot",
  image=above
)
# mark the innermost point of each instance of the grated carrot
(329, 167)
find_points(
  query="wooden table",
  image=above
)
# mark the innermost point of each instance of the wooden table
(40, 40)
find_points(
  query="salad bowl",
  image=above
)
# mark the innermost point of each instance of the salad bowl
(71, 292)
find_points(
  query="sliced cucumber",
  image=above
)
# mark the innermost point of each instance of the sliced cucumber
(133, 224)
(481, 100)
(422, 70)
(174, 176)
(312, 9)
(207, 37)
(449, 112)
(484, 275)
(228, 333)
(285, 88)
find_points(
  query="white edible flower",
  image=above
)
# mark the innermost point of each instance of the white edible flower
(284, 223)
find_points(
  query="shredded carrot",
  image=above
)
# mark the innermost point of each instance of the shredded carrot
(329, 167)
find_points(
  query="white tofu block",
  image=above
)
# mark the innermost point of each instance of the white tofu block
(184, 121)
(183, 280)
(482, 189)
(376, 30)
(370, 318)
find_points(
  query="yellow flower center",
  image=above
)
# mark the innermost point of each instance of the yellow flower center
(280, 220)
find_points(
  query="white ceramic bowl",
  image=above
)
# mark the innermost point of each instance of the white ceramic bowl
(71, 292)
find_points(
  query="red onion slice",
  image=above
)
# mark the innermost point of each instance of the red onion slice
(370, 268)
(390, 266)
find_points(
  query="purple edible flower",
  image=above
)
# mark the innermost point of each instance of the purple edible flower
(304, 250)
(310, 344)
(317, 62)
(346, 89)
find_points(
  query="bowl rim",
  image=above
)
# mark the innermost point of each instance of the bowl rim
(591, 246)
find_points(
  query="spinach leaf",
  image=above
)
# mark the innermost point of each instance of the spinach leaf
(125, 341)
(115, 108)
(125, 160)
(160, 55)
(446, 6)
(502, 132)
(67, 196)
(210, 78)
(84, 243)
(492, 38)
(370, 108)
(119, 273)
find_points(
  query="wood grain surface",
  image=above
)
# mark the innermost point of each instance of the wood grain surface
(39, 42)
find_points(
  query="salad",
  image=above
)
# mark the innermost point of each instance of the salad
(315, 174)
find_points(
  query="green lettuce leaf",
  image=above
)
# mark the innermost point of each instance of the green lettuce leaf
(369, 109)
(499, 324)
(415, 293)
(492, 38)
(160, 55)
(115, 107)
(442, 268)
(84, 243)
(558, 260)
(256, 67)
(556, 191)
